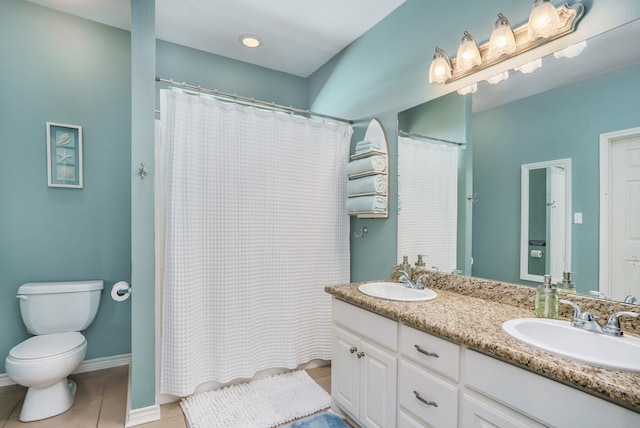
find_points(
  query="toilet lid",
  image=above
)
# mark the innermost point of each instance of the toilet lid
(47, 345)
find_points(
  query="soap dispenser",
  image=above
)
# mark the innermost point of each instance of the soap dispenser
(420, 265)
(566, 285)
(405, 266)
(546, 304)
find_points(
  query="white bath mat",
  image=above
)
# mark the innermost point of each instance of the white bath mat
(262, 403)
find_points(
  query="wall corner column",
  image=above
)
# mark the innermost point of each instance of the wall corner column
(142, 398)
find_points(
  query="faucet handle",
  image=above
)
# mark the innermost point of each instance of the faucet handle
(612, 327)
(578, 319)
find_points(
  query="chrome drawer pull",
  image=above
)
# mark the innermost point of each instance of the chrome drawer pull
(428, 403)
(427, 353)
(353, 349)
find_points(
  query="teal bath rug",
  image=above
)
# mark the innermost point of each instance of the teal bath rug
(323, 420)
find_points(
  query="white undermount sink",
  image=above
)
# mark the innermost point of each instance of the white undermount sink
(561, 338)
(396, 291)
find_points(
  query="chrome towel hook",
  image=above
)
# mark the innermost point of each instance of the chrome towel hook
(363, 231)
(142, 171)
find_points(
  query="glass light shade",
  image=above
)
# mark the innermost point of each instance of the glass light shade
(530, 67)
(543, 21)
(498, 78)
(502, 41)
(471, 89)
(440, 70)
(468, 54)
(571, 51)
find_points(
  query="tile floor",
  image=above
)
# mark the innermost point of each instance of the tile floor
(101, 402)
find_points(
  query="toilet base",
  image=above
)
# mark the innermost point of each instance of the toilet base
(42, 403)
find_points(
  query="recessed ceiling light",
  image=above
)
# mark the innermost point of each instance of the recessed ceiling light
(250, 41)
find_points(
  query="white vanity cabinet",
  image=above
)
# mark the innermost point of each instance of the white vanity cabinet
(363, 372)
(386, 374)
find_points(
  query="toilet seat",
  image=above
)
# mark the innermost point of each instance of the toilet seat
(47, 345)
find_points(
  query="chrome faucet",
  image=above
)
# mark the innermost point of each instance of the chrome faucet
(583, 320)
(612, 328)
(406, 280)
(631, 299)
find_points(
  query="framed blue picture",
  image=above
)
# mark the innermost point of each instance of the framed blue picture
(64, 155)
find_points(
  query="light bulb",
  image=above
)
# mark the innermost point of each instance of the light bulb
(543, 21)
(468, 54)
(440, 70)
(502, 41)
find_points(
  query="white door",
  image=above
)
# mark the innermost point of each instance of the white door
(625, 217)
(619, 210)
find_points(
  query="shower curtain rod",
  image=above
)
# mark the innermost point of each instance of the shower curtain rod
(250, 101)
(413, 134)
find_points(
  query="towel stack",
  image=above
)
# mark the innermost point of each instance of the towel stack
(366, 146)
(372, 164)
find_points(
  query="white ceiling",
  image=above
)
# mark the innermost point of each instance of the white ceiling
(298, 36)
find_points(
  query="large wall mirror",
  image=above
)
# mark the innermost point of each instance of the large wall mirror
(558, 112)
(545, 225)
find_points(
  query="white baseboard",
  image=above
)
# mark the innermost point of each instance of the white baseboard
(85, 366)
(143, 415)
(103, 363)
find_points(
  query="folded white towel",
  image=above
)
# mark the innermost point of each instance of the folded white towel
(370, 164)
(367, 204)
(369, 184)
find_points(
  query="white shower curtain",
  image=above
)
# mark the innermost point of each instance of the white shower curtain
(255, 227)
(428, 205)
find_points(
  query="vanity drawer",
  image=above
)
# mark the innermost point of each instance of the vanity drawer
(368, 325)
(430, 351)
(443, 412)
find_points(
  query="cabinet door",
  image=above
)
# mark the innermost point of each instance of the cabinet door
(345, 371)
(377, 387)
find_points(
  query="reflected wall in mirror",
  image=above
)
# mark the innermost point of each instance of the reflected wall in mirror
(545, 225)
(559, 116)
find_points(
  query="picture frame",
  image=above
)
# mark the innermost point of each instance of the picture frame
(64, 155)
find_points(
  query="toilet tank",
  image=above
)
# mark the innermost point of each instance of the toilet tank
(57, 307)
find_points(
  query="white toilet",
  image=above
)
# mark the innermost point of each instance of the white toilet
(55, 312)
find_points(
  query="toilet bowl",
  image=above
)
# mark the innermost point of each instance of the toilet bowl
(55, 313)
(42, 363)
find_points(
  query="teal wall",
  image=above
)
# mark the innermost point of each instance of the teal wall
(563, 123)
(59, 68)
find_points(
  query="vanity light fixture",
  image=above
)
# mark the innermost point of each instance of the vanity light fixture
(543, 21)
(530, 67)
(543, 26)
(440, 70)
(468, 54)
(502, 41)
(571, 51)
(498, 78)
(471, 89)
(250, 41)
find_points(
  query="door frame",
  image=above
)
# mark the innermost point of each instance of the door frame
(606, 144)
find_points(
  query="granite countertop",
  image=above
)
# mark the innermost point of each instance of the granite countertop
(477, 323)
